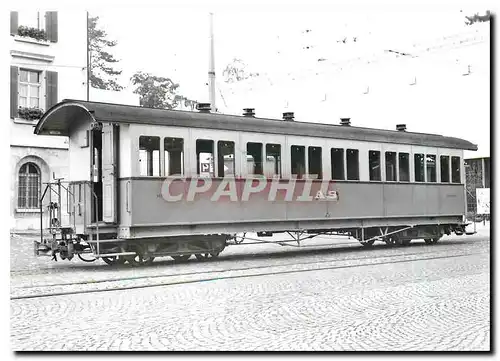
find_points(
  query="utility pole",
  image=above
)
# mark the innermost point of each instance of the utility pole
(211, 67)
(88, 59)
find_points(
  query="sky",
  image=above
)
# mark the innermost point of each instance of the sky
(358, 79)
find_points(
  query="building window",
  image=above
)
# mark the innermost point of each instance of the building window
(273, 160)
(205, 157)
(419, 168)
(337, 155)
(445, 168)
(298, 160)
(29, 88)
(30, 19)
(352, 164)
(225, 154)
(374, 163)
(390, 166)
(404, 167)
(29, 186)
(174, 156)
(455, 169)
(431, 167)
(315, 163)
(149, 156)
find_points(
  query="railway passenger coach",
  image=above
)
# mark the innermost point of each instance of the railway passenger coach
(146, 182)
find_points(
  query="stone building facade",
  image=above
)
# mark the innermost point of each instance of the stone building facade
(48, 62)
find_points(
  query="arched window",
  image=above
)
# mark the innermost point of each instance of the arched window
(29, 186)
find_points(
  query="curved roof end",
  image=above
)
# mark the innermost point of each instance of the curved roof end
(59, 119)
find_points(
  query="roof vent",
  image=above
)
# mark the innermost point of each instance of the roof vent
(248, 112)
(203, 107)
(401, 127)
(345, 121)
(288, 116)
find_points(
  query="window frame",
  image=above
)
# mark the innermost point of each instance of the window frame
(310, 149)
(407, 164)
(148, 157)
(459, 169)
(396, 168)
(183, 160)
(26, 196)
(342, 169)
(379, 173)
(304, 173)
(279, 161)
(40, 19)
(219, 163)
(255, 163)
(428, 179)
(422, 170)
(197, 157)
(28, 84)
(357, 164)
(448, 168)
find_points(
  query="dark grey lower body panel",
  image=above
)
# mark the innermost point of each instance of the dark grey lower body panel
(187, 229)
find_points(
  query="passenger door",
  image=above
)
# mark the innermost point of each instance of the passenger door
(109, 172)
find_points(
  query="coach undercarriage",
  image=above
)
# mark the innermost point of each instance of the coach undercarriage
(137, 252)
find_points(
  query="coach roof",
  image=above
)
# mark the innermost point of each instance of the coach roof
(59, 119)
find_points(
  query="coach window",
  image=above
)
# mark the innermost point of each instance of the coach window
(419, 168)
(315, 162)
(352, 164)
(273, 160)
(174, 156)
(445, 168)
(337, 155)
(254, 158)
(404, 167)
(430, 162)
(149, 156)
(225, 154)
(455, 169)
(298, 160)
(374, 161)
(205, 157)
(390, 166)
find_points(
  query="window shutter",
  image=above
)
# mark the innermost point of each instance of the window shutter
(14, 22)
(14, 91)
(51, 25)
(50, 89)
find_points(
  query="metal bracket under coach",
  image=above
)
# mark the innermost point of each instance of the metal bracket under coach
(146, 183)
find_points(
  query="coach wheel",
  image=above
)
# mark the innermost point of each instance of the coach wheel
(181, 258)
(367, 243)
(87, 257)
(114, 260)
(431, 240)
(138, 259)
(391, 241)
(206, 256)
(403, 242)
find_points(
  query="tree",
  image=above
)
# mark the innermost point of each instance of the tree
(236, 71)
(476, 18)
(158, 92)
(102, 74)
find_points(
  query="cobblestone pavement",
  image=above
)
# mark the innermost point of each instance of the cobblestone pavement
(410, 298)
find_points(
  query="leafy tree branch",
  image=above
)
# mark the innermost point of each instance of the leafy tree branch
(102, 73)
